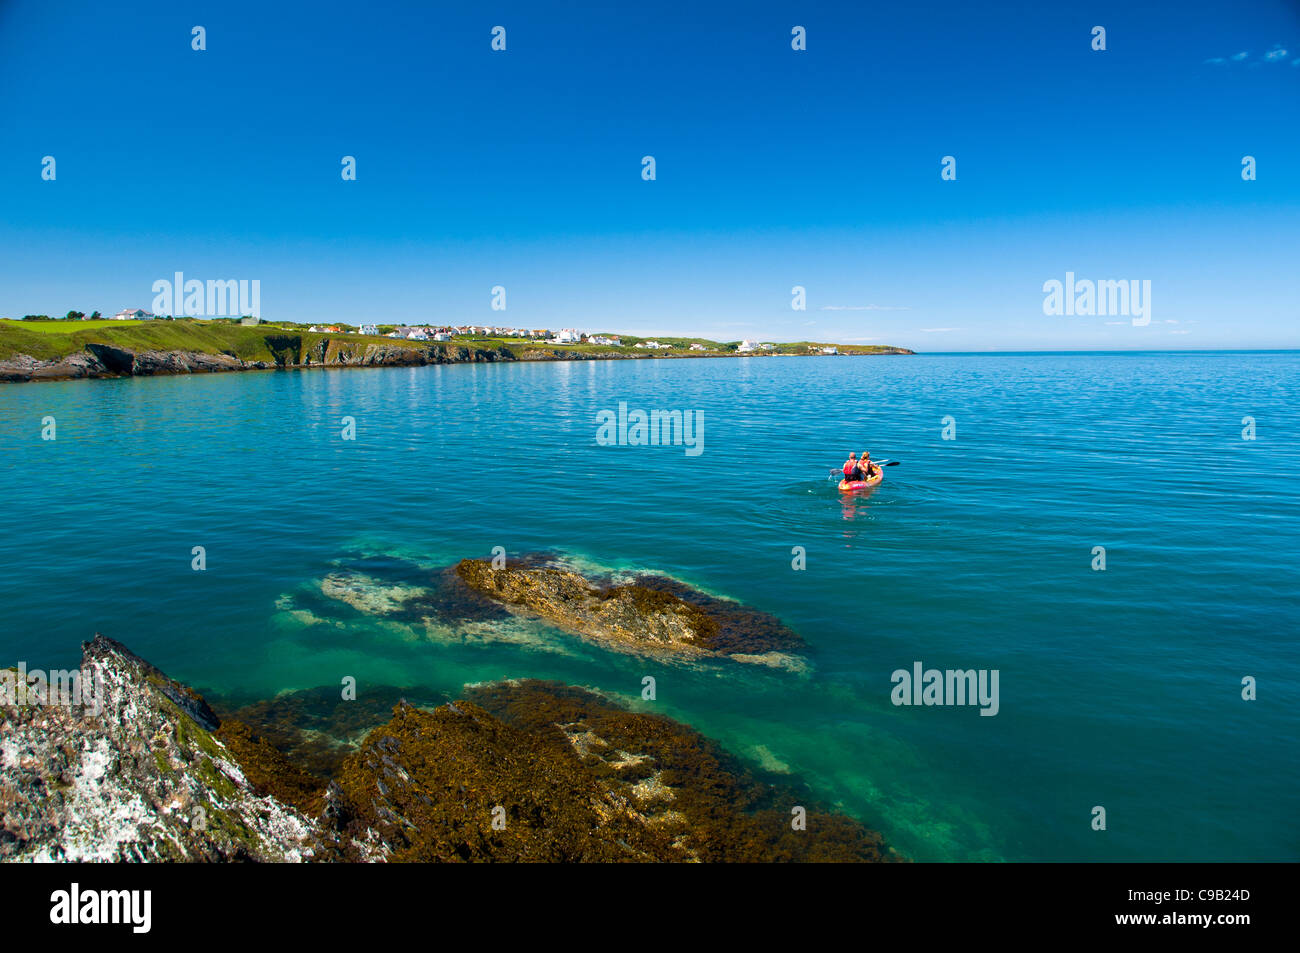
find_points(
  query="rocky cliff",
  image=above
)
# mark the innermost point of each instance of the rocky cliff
(285, 351)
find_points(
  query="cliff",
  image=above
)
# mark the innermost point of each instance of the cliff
(285, 352)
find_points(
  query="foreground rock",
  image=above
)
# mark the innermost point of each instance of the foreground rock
(146, 778)
(649, 614)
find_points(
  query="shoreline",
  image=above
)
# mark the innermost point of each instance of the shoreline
(308, 351)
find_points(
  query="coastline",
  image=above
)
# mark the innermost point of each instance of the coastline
(146, 352)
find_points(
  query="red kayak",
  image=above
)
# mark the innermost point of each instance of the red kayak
(848, 485)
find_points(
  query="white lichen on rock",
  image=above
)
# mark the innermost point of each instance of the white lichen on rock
(142, 779)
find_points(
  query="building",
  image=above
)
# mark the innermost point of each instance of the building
(136, 315)
(747, 347)
(611, 341)
(367, 329)
(698, 347)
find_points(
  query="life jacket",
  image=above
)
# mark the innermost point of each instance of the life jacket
(848, 469)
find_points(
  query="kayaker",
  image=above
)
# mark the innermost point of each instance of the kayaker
(850, 468)
(865, 467)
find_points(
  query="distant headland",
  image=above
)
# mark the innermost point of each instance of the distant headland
(137, 343)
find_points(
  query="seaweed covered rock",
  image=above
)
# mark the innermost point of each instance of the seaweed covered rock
(457, 783)
(651, 613)
(133, 771)
(314, 728)
(537, 771)
(715, 807)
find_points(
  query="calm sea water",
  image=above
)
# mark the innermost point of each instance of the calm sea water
(1119, 688)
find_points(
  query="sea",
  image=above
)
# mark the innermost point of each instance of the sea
(1114, 536)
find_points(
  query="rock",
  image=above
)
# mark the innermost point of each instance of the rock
(21, 367)
(569, 776)
(652, 613)
(143, 778)
(287, 350)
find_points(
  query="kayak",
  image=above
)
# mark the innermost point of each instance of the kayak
(847, 485)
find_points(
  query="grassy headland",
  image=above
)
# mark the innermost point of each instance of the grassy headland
(86, 345)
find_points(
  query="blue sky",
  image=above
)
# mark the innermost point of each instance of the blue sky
(775, 168)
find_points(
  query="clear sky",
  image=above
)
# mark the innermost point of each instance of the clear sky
(775, 168)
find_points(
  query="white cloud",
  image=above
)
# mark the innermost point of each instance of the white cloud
(1277, 54)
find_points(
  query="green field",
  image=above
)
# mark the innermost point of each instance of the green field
(72, 327)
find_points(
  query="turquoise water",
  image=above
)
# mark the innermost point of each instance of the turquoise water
(1119, 688)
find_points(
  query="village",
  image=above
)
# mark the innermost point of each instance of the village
(544, 335)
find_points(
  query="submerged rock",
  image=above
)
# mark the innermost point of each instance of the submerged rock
(315, 728)
(651, 613)
(539, 771)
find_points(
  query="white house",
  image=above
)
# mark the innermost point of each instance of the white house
(698, 347)
(746, 347)
(567, 336)
(442, 336)
(136, 315)
(367, 329)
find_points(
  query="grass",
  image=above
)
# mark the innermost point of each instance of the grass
(36, 339)
(72, 327)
